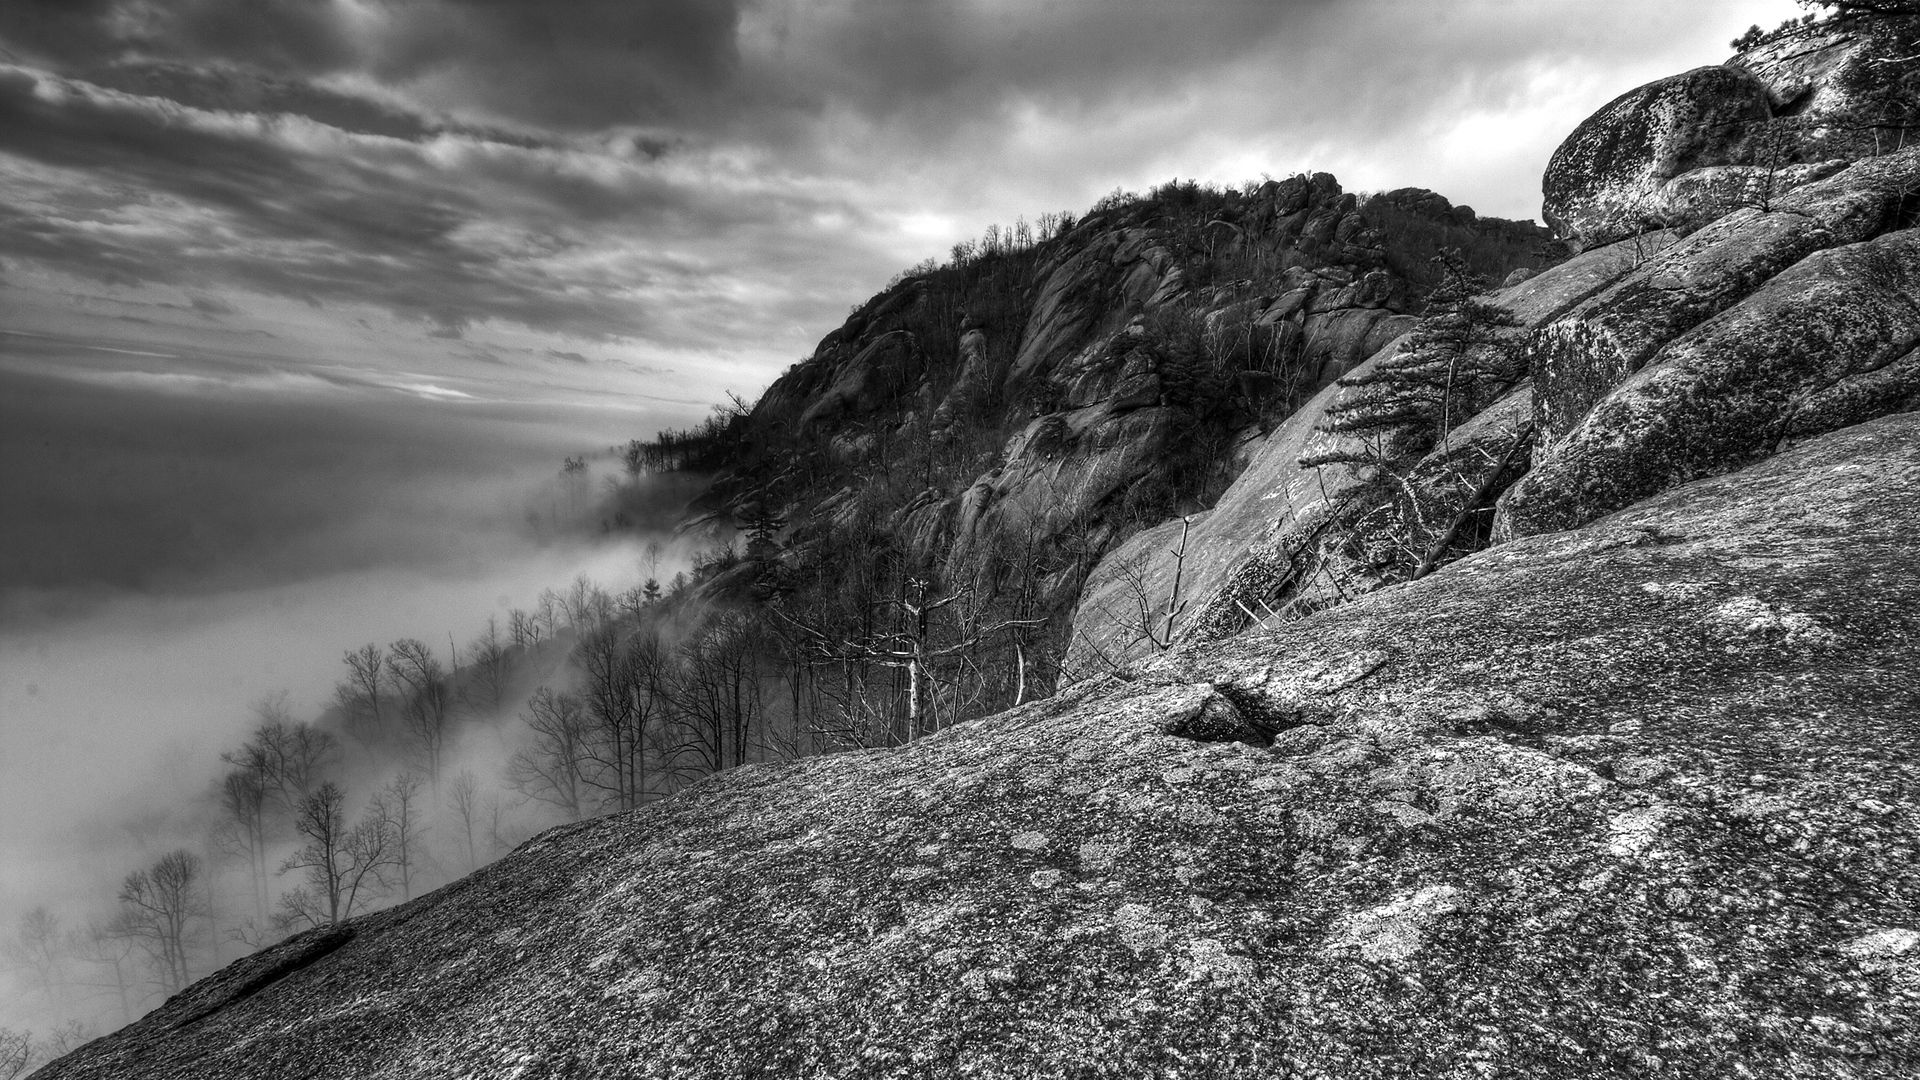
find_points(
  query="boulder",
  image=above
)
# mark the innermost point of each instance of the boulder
(1581, 356)
(1605, 181)
(1619, 801)
(1731, 390)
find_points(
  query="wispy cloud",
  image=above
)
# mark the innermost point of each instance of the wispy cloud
(722, 177)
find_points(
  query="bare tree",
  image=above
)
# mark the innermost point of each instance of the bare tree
(243, 805)
(345, 865)
(17, 1053)
(490, 658)
(463, 798)
(366, 679)
(621, 693)
(523, 629)
(717, 695)
(556, 766)
(36, 947)
(397, 808)
(287, 758)
(163, 907)
(547, 610)
(425, 700)
(110, 954)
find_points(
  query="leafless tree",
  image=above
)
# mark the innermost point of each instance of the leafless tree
(366, 679)
(243, 829)
(109, 954)
(287, 758)
(397, 808)
(163, 907)
(36, 947)
(523, 629)
(557, 764)
(623, 691)
(345, 865)
(425, 700)
(463, 798)
(17, 1053)
(490, 659)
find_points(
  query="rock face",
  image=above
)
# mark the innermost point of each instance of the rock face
(999, 424)
(1695, 335)
(1264, 545)
(1544, 705)
(1634, 799)
(1681, 152)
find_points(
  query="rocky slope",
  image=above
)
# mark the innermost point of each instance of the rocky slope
(998, 424)
(1577, 736)
(1746, 281)
(1635, 799)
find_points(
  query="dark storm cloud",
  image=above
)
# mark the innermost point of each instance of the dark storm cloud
(452, 229)
(580, 63)
(718, 174)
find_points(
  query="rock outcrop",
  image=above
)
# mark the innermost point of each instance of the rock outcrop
(999, 424)
(1536, 700)
(1684, 151)
(1634, 799)
(1692, 337)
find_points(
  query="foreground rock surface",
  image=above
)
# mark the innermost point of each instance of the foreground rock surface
(1631, 800)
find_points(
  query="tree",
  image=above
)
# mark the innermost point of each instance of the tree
(716, 693)
(397, 808)
(523, 629)
(557, 764)
(162, 908)
(288, 758)
(243, 805)
(17, 1053)
(110, 950)
(491, 660)
(623, 675)
(463, 798)
(360, 694)
(345, 865)
(425, 700)
(36, 946)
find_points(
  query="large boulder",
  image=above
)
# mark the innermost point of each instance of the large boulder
(1730, 391)
(1630, 800)
(1687, 150)
(1583, 354)
(1606, 181)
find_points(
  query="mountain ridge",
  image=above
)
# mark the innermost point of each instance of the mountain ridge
(1530, 703)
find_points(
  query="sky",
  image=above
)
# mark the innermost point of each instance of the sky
(302, 302)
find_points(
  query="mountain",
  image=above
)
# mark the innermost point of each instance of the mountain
(1511, 683)
(988, 430)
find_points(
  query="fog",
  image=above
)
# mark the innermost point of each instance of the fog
(178, 545)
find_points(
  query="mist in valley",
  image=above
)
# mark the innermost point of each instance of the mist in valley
(172, 685)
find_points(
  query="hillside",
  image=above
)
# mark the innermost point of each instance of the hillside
(984, 432)
(1452, 683)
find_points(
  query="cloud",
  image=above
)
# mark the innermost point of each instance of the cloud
(723, 178)
(450, 230)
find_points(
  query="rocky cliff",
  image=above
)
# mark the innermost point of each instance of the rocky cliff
(1546, 711)
(994, 426)
(1744, 283)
